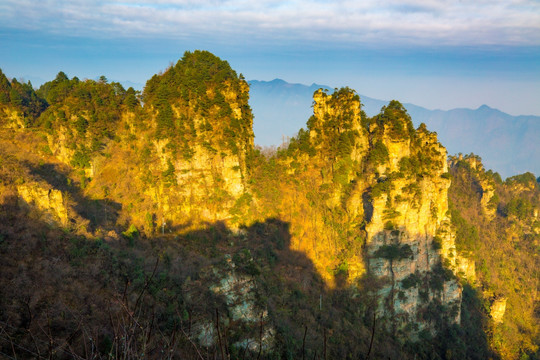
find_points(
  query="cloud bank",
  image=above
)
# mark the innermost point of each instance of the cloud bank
(382, 22)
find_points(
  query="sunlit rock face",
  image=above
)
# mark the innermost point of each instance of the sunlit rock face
(49, 203)
(202, 124)
(11, 119)
(498, 308)
(389, 184)
(409, 239)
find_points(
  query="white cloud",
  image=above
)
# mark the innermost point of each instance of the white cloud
(451, 22)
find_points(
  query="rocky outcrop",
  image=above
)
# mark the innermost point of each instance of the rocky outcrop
(488, 191)
(498, 308)
(183, 155)
(11, 119)
(49, 203)
(201, 130)
(486, 187)
(58, 144)
(337, 116)
(240, 295)
(383, 192)
(409, 240)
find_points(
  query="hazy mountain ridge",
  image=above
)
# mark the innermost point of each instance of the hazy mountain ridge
(507, 144)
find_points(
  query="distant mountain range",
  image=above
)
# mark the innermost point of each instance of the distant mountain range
(507, 144)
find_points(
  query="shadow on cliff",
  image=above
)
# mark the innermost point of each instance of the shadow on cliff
(81, 297)
(99, 212)
(442, 337)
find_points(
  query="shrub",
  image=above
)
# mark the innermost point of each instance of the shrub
(410, 281)
(437, 243)
(169, 175)
(378, 154)
(81, 159)
(518, 207)
(394, 252)
(131, 234)
(382, 187)
(342, 269)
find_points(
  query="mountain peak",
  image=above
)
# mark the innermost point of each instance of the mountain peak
(278, 81)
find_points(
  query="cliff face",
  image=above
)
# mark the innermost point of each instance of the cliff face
(49, 203)
(381, 208)
(202, 129)
(324, 200)
(485, 184)
(409, 241)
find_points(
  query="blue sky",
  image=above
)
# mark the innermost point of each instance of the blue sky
(437, 54)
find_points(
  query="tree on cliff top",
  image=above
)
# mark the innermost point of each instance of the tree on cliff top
(396, 119)
(21, 97)
(204, 87)
(189, 78)
(335, 131)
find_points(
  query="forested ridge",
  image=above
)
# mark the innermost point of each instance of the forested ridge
(149, 225)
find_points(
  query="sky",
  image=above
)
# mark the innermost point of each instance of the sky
(437, 54)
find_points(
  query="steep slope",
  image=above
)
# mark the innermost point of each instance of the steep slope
(202, 135)
(497, 225)
(367, 199)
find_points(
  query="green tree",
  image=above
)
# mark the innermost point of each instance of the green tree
(395, 118)
(378, 153)
(5, 88)
(130, 99)
(15, 98)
